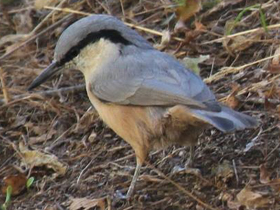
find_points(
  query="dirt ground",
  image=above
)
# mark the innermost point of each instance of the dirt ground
(52, 135)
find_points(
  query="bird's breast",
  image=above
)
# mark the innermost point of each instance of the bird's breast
(129, 122)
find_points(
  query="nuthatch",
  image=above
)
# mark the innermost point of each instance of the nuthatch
(146, 96)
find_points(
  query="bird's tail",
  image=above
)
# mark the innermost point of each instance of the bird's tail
(226, 120)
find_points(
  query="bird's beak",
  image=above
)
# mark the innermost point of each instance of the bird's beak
(45, 75)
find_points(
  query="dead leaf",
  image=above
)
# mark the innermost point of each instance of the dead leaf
(23, 22)
(12, 38)
(232, 101)
(228, 198)
(239, 43)
(224, 171)
(192, 63)
(275, 184)
(218, 7)
(264, 175)
(199, 26)
(185, 11)
(165, 39)
(276, 59)
(251, 199)
(17, 182)
(274, 67)
(20, 53)
(42, 137)
(86, 120)
(149, 178)
(188, 9)
(86, 204)
(33, 158)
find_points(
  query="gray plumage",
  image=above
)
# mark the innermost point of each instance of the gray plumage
(144, 76)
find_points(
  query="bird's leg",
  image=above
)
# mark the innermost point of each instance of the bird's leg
(190, 160)
(134, 179)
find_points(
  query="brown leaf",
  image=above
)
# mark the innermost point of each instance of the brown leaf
(17, 182)
(276, 59)
(188, 9)
(232, 101)
(224, 171)
(23, 22)
(251, 199)
(264, 175)
(86, 204)
(149, 178)
(42, 137)
(275, 184)
(165, 39)
(239, 43)
(220, 6)
(228, 198)
(33, 158)
(86, 120)
(199, 26)
(274, 68)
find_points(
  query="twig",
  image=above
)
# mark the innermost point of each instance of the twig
(235, 171)
(48, 92)
(46, 18)
(123, 12)
(265, 159)
(151, 31)
(34, 37)
(231, 70)
(4, 88)
(253, 87)
(242, 33)
(6, 16)
(78, 180)
(207, 206)
(262, 100)
(17, 10)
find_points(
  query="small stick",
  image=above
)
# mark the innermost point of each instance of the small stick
(207, 206)
(48, 92)
(34, 37)
(4, 88)
(85, 168)
(128, 24)
(235, 171)
(45, 19)
(242, 33)
(229, 70)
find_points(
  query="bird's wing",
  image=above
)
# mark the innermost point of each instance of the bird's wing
(150, 78)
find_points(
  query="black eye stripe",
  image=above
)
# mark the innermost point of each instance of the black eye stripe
(112, 35)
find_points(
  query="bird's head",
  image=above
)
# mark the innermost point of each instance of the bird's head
(88, 43)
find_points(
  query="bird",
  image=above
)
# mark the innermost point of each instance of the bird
(145, 96)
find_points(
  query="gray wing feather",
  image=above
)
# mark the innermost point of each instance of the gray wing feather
(149, 77)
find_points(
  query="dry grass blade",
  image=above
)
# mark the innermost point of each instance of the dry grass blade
(270, 27)
(4, 87)
(32, 38)
(46, 18)
(151, 31)
(207, 206)
(231, 70)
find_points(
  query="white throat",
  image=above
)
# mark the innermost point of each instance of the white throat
(94, 57)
